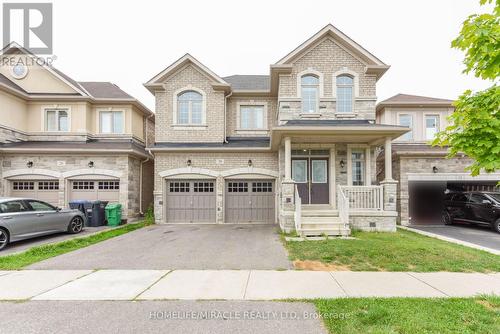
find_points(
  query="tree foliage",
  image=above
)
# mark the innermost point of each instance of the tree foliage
(475, 125)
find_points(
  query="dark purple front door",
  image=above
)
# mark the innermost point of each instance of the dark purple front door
(311, 177)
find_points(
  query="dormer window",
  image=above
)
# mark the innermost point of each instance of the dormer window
(56, 120)
(345, 93)
(310, 93)
(190, 108)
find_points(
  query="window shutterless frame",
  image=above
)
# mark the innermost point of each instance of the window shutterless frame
(111, 121)
(56, 120)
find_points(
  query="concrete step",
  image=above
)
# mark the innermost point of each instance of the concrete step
(340, 231)
(320, 213)
(308, 225)
(320, 219)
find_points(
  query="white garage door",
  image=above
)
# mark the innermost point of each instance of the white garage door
(91, 190)
(44, 190)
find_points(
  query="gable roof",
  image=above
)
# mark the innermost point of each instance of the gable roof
(407, 100)
(249, 82)
(184, 60)
(340, 37)
(7, 82)
(104, 90)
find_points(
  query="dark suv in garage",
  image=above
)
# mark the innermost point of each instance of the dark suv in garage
(482, 208)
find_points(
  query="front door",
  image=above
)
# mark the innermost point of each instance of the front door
(311, 177)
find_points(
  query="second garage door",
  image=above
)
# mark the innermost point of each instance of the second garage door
(250, 201)
(190, 201)
(102, 190)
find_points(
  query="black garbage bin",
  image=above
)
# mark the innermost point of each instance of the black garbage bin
(98, 215)
(85, 207)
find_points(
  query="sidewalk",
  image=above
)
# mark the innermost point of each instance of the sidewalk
(237, 284)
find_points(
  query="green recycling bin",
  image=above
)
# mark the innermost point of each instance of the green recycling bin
(114, 214)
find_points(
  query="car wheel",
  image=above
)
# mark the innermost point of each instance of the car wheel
(496, 226)
(4, 238)
(446, 218)
(76, 225)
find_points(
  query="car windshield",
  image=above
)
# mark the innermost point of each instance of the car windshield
(496, 197)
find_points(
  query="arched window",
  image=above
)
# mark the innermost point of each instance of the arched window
(310, 93)
(190, 108)
(345, 93)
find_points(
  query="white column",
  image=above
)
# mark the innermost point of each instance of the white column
(333, 188)
(368, 169)
(288, 158)
(388, 159)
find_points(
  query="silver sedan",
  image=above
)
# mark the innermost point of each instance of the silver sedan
(24, 218)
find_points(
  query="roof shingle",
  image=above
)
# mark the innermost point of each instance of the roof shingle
(248, 82)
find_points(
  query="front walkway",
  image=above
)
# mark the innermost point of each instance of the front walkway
(237, 284)
(181, 247)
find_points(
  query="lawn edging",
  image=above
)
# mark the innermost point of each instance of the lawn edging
(35, 254)
(452, 240)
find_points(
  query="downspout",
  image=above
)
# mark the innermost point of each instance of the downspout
(141, 212)
(225, 115)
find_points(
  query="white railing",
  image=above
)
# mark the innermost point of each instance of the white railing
(364, 197)
(343, 207)
(298, 210)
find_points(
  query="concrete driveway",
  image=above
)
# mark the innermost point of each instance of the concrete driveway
(181, 247)
(481, 236)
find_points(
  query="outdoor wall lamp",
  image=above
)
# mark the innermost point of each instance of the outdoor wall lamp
(250, 163)
(29, 164)
(342, 164)
(91, 164)
(188, 162)
(434, 169)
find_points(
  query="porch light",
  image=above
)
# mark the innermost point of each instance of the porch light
(342, 164)
(91, 164)
(434, 169)
(250, 163)
(29, 164)
(188, 162)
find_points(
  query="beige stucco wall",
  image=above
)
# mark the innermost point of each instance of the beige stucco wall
(13, 112)
(390, 115)
(189, 77)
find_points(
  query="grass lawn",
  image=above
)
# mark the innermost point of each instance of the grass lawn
(399, 251)
(411, 315)
(39, 253)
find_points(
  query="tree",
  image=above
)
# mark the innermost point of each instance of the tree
(475, 125)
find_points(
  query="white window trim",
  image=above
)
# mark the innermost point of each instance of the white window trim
(412, 125)
(203, 124)
(321, 83)
(240, 104)
(44, 110)
(99, 125)
(424, 126)
(354, 75)
(368, 176)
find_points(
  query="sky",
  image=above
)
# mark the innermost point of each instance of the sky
(128, 42)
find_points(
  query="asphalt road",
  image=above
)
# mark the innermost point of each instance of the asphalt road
(152, 317)
(181, 247)
(482, 236)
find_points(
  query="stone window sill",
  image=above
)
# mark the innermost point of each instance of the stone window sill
(311, 115)
(189, 127)
(345, 115)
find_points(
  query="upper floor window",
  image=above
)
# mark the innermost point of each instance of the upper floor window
(310, 93)
(56, 120)
(190, 108)
(345, 93)
(431, 126)
(111, 121)
(406, 120)
(252, 117)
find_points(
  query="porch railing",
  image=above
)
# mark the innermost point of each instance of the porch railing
(298, 210)
(364, 197)
(343, 207)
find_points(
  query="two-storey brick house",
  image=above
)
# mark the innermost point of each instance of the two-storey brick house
(297, 147)
(63, 140)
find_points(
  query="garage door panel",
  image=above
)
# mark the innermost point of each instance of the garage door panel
(44, 190)
(190, 201)
(250, 201)
(92, 190)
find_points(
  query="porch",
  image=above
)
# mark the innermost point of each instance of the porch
(328, 180)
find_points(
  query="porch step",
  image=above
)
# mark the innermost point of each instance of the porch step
(320, 219)
(320, 213)
(320, 231)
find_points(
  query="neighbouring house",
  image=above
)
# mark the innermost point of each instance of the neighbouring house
(296, 147)
(63, 140)
(423, 172)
